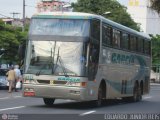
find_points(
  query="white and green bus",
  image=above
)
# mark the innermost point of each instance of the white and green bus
(85, 57)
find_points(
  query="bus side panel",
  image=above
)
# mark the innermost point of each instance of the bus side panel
(121, 69)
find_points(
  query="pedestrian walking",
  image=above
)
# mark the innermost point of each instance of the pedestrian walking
(18, 75)
(11, 78)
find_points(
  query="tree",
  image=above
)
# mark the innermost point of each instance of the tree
(155, 49)
(10, 38)
(118, 12)
(1, 25)
(155, 4)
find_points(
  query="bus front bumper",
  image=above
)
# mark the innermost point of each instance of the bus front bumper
(57, 92)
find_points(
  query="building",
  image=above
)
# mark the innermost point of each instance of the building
(51, 5)
(141, 12)
(15, 22)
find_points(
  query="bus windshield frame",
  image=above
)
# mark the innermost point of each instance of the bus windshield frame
(56, 58)
(60, 27)
(71, 35)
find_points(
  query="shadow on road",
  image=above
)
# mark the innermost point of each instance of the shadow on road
(85, 105)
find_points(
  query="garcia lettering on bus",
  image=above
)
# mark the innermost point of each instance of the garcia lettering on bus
(122, 59)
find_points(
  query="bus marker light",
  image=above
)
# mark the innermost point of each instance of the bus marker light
(83, 84)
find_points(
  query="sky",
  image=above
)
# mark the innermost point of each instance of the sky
(7, 7)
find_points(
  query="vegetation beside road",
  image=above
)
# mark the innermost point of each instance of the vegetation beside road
(10, 38)
(156, 50)
(117, 12)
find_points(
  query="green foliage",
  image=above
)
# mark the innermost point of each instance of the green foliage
(118, 12)
(10, 38)
(156, 49)
(155, 4)
(1, 25)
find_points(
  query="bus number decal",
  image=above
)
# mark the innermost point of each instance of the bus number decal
(69, 79)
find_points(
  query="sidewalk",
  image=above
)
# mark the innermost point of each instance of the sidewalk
(154, 83)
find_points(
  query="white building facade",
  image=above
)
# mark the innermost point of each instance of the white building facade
(141, 13)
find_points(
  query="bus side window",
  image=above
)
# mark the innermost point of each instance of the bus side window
(116, 38)
(140, 45)
(95, 29)
(133, 43)
(106, 35)
(147, 47)
(149, 53)
(125, 41)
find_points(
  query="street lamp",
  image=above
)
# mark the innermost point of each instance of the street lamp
(106, 13)
(67, 6)
(23, 16)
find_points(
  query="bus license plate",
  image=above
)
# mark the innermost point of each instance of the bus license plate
(29, 94)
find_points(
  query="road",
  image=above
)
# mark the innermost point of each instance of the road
(15, 105)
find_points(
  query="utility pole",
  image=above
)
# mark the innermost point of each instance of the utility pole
(23, 16)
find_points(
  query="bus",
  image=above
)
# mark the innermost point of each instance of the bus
(85, 57)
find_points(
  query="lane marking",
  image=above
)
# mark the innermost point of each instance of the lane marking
(12, 108)
(156, 84)
(4, 98)
(147, 97)
(86, 113)
(17, 96)
(10, 97)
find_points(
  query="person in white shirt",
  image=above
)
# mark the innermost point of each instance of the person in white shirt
(18, 74)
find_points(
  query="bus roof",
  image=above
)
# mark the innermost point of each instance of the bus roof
(80, 15)
(70, 15)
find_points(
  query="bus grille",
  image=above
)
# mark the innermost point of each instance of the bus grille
(43, 81)
(52, 82)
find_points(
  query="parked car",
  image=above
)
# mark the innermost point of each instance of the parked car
(3, 79)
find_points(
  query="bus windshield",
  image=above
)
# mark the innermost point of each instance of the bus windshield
(60, 27)
(56, 58)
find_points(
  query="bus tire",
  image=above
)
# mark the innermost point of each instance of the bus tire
(100, 97)
(139, 98)
(136, 93)
(48, 101)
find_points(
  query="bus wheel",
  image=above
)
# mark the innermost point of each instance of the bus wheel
(99, 100)
(139, 97)
(136, 94)
(48, 101)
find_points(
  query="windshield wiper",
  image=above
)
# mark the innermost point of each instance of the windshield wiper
(61, 63)
(52, 61)
(52, 58)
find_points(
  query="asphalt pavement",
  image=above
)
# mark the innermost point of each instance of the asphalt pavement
(15, 106)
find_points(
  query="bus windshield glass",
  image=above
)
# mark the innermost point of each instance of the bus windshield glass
(56, 58)
(60, 27)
